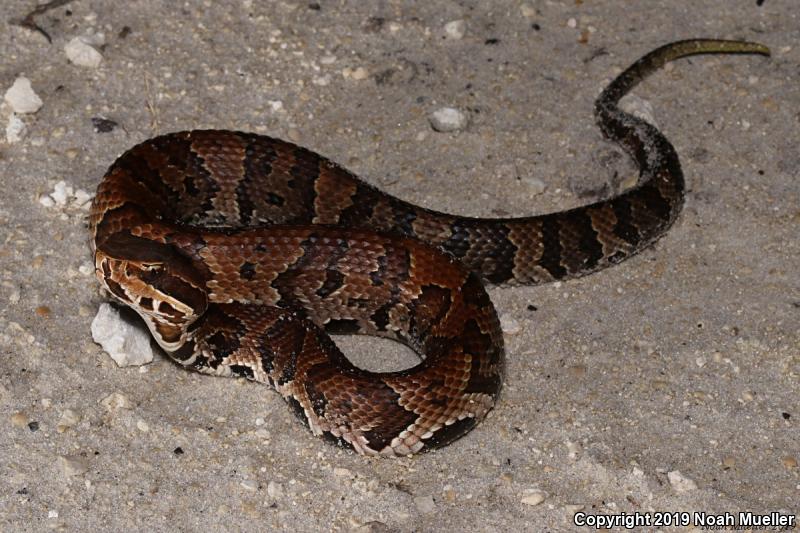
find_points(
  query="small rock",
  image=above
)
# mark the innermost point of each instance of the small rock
(19, 419)
(535, 185)
(448, 119)
(527, 10)
(249, 484)
(61, 193)
(455, 29)
(22, 98)
(72, 466)
(680, 483)
(127, 344)
(81, 53)
(509, 325)
(46, 201)
(142, 426)
(15, 129)
(115, 401)
(69, 418)
(359, 74)
(533, 497)
(275, 105)
(789, 462)
(274, 489)
(425, 504)
(343, 472)
(103, 125)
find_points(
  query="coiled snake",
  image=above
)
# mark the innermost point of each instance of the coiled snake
(239, 250)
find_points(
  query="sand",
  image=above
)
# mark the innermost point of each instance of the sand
(666, 384)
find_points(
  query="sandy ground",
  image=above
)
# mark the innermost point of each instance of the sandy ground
(669, 383)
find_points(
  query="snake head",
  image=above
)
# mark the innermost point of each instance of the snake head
(156, 281)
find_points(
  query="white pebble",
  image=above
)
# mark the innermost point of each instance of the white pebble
(455, 29)
(142, 426)
(15, 129)
(533, 497)
(509, 325)
(81, 199)
(572, 23)
(447, 119)
(275, 105)
(80, 53)
(343, 472)
(535, 185)
(46, 201)
(61, 192)
(274, 489)
(327, 60)
(116, 401)
(359, 74)
(22, 98)
(69, 418)
(72, 465)
(527, 10)
(680, 483)
(127, 344)
(322, 81)
(249, 484)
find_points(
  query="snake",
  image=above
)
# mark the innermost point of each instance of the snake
(242, 253)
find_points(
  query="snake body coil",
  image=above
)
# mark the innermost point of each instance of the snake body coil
(239, 250)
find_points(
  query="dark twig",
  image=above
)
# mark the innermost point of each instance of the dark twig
(29, 20)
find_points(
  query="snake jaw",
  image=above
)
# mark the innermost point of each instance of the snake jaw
(145, 287)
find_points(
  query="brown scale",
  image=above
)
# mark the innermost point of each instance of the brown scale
(208, 235)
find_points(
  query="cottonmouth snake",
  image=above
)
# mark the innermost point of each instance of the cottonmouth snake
(240, 251)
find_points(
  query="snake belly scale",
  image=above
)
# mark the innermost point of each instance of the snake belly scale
(241, 251)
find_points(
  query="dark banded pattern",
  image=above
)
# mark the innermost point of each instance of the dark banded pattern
(240, 251)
